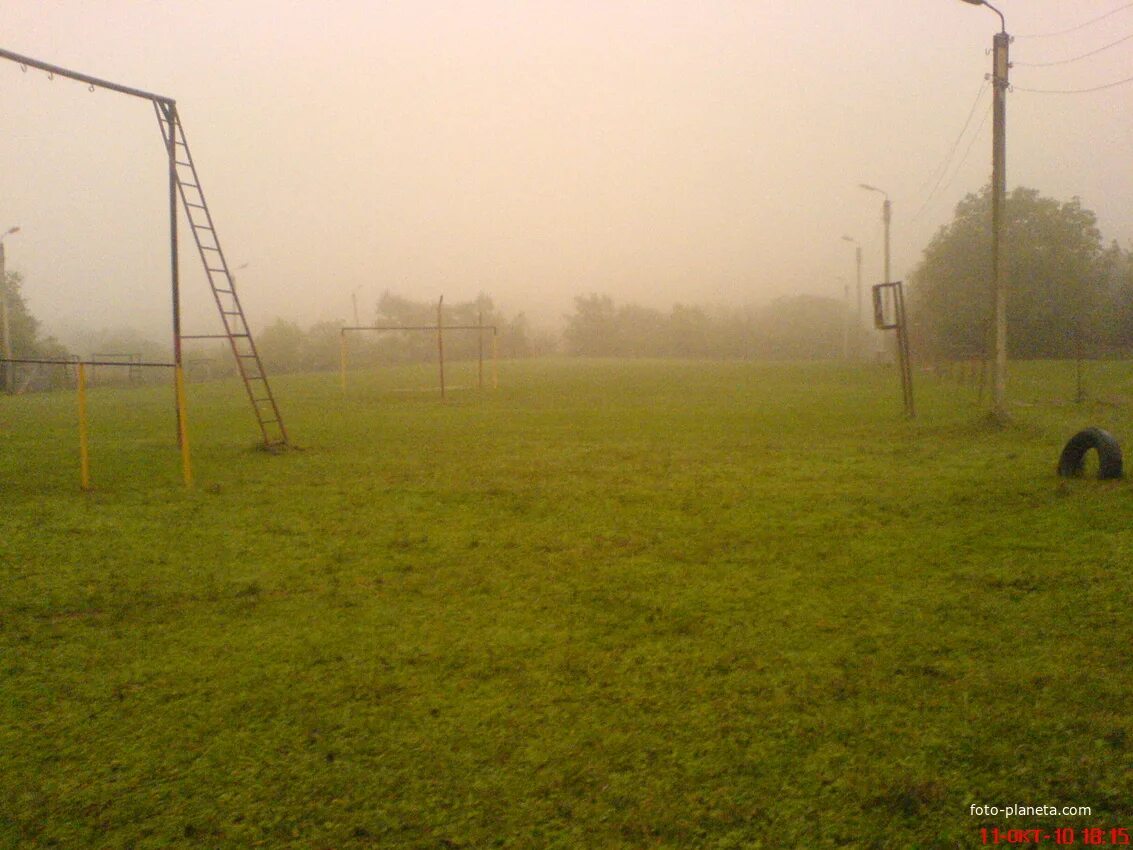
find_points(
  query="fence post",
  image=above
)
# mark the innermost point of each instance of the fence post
(84, 453)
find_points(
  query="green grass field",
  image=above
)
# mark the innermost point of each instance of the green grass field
(612, 604)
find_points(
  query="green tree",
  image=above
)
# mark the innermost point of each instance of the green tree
(280, 346)
(24, 328)
(592, 330)
(1056, 289)
(800, 327)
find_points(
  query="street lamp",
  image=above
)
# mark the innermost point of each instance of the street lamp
(999, 68)
(886, 217)
(4, 324)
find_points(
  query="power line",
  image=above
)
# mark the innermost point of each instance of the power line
(1079, 26)
(1074, 59)
(942, 169)
(1073, 91)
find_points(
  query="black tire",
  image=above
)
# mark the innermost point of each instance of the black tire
(1073, 457)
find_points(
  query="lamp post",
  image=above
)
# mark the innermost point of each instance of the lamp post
(886, 218)
(4, 321)
(858, 263)
(999, 76)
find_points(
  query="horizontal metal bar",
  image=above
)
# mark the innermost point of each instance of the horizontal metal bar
(420, 328)
(204, 336)
(84, 78)
(86, 362)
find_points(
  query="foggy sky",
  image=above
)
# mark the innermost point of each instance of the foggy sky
(657, 151)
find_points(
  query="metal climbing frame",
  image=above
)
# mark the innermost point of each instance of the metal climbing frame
(185, 184)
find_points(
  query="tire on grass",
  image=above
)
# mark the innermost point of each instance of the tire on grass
(1073, 458)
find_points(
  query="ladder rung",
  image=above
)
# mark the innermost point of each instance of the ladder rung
(225, 291)
(231, 312)
(202, 226)
(268, 421)
(189, 185)
(186, 164)
(197, 206)
(216, 271)
(210, 248)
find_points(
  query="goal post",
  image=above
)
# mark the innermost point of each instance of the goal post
(81, 377)
(440, 329)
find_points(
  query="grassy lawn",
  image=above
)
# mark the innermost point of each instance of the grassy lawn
(612, 604)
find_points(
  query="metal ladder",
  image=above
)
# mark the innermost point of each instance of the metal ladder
(223, 286)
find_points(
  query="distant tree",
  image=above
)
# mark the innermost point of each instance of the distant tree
(26, 343)
(691, 333)
(414, 346)
(1055, 282)
(800, 327)
(639, 332)
(319, 350)
(592, 330)
(23, 326)
(280, 345)
(1116, 317)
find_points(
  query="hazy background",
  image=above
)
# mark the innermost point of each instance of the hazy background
(657, 151)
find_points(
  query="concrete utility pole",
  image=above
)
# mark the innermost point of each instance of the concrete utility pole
(5, 326)
(886, 219)
(999, 76)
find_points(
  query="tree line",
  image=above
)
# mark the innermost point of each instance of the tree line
(796, 328)
(1068, 293)
(284, 346)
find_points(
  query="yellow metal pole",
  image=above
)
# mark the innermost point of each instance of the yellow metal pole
(183, 426)
(84, 453)
(495, 359)
(342, 357)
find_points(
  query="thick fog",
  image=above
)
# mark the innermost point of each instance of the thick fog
(535, 150)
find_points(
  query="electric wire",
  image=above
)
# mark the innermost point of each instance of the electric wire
(1079, 26)
(1073, 91)
(1075, 58)
(945, 165)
